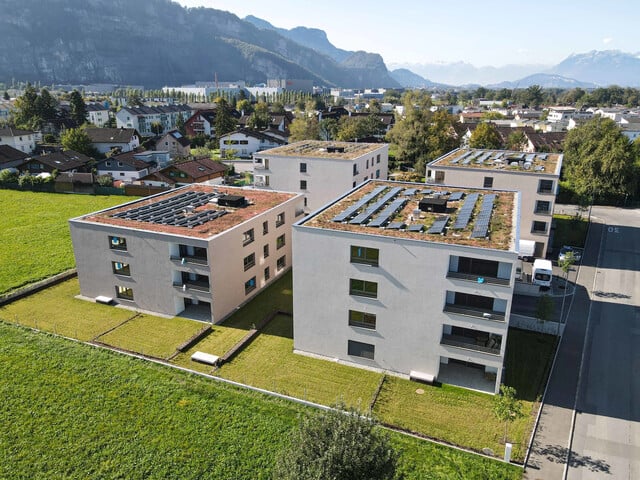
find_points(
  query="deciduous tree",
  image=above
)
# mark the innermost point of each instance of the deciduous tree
(304, 128)
(485, 136)
(78, 140)
(506, 407)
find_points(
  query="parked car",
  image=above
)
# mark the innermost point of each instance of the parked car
(577, 253)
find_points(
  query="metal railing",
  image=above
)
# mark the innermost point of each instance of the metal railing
(474, 277)
(475, 312)
(468, 344)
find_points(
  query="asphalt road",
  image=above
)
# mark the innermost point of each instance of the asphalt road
(589, 423)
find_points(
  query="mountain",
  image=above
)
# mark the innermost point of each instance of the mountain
(156, 43)
(545, 80)
(408, 79)
(606, 67)
(313, 38)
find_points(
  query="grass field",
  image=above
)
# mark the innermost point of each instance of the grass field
(35, 237)
(569, 231)
(75, 412)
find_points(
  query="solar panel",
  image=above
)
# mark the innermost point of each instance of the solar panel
(416, 227)
(481, 227)
(395, 226)
(530, 157)
(539, 168)
(542, 156)
(427, 191)
(410, 191)
(461, 157)
(351, 211)
(388, 213)
(438, 225)
(464, 214)
(456, 196)
(363, 217)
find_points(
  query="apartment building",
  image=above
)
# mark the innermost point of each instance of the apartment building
(143, 118)
(535, 175)
(197, 248)
(409, 279)
(320, 170)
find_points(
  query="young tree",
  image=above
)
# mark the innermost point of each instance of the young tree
(77, 139)
(337, 445)
(485, 136)
(78, 107)
(506, 407)
(304, 128)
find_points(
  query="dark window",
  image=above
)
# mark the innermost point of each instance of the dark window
(267, 274)
(378, 159)
(362, 319)
(367, 163)
(303, 168)
(124, 292)
(359, 349)
(545, 186)
(439, 176)
(478, 266)
(121, 268)
(265, 228)
(370, 256)
(247, 237)
(250, 285)
(280, 241)
(378, 173)
(265, 251)
(303, 184)
(117, 243)
(543, 206)
(280, 219)
(363, 288)
(281, 263)
(488, 182)
(539, 227)
(355, 170)
(249, 261)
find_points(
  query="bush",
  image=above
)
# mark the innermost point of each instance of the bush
(105, 180)
(8, 176)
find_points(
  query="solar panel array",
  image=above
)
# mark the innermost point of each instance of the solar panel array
(464, 215)
(416, 227)
(456, 196)
(364, 217)
(410, 191)
(395, 226)
(481, 226)
(439, 225)
(388, 213)
(174, 211)
(353, 209)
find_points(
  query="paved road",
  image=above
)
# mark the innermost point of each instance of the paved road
(604, 438)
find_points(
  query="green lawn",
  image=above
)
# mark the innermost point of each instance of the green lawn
(75, 412)
(569, 231)
(150, 335)
(35, 237)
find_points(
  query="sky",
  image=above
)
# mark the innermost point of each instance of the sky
(483, 33)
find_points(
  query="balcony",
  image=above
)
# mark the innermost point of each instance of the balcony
(470, 311)
(195, 285)
(476, 278)
(259, 166)
(197, 260)
(481, 342)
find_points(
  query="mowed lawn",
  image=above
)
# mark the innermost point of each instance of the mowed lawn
(76, 412)
(35, 237)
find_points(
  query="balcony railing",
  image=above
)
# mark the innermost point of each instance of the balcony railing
(195, 286)
(191, 259)
(259, 166)
(474, 277)
(479, 344)
(475, 312)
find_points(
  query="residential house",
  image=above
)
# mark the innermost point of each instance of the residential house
(11, 157)
(545, 142)
(198, 251)
(630, 127)
(187, 172)
(175, 143)
(142, 118)
(399, 278)
(321, 171)
(125, 167)
(98, 114)
(202, 122)
(245, 142)
(23, 140)
(107, 140)
(61, 161)
(534, 175)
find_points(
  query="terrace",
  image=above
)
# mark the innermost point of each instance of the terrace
(499, 160)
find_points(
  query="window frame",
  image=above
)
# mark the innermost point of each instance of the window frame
(303, 167)
(267, 273)
(367, 320)
(364, 258)
(545, 191)
(539, 231)
(281, 241)
(120, 244)
(280, 219)
(303, 184)
(248, 237)
(265, 227)
(368, 348)
(366, 289)
(540, 211)
(125, 270)
(249, 261)
(265, 250)
(281, 263)
(124, 293)
(250, 285)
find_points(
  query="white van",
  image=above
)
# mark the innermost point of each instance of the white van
(542, 272)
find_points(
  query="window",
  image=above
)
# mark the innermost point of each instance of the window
(363, 288)
(267, 274)
(378, 159)
(265, 228)
(439, 176)
(362, 319)
(247, 237)
(107, 164)
(367, 163)
(355, 170)
(303, 184)
(117, 243)
(125, 293)
(543, 207)
(539, 227)
(281, 263)
(265, 251)
(120, 164)
(280, 241)
(122, 174)
(121, 268)
(303, 168)
(249, 261)
(378, 173)
(280, 219)
(488, 182)
(369, 256)
(250, 285)
(545, 186)
(354, 185)
(359, 349)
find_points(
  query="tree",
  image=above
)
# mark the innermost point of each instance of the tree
(506, 407)
(485, 136)
(224, 122)
(78, 107)
(328, 129)
(134, 99)
(304, 128)
(600, 160)
(260, 118)
(78, 140)
(516, 140)
(244, 106)
(533, 96)
(25, 114)
(336, 445)
(565, 265)
(157, 128)
(180, 125)
(6, 95)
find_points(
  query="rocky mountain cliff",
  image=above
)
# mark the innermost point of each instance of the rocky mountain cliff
(156, 43)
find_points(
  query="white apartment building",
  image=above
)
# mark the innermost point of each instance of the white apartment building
(534, 175)
(244, 143)
(400, 278)
(320, 170)
(142, 118)
(23, 140)
(203, 248)
(98, 114)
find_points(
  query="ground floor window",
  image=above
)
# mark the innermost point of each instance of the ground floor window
(250, 285)
(281, 263)
(359, 349)
(125, 293)
(362, 319)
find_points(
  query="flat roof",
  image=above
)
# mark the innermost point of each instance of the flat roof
(484, 218)
(501, 160)
(323, 149)
(191, 211)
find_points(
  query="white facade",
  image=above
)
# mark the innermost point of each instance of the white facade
(143, 118)
(321, 171)
(22, 140)
(417, 320)
(245, 144)
(98, 115)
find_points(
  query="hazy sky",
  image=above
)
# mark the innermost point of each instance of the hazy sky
(488, 32)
